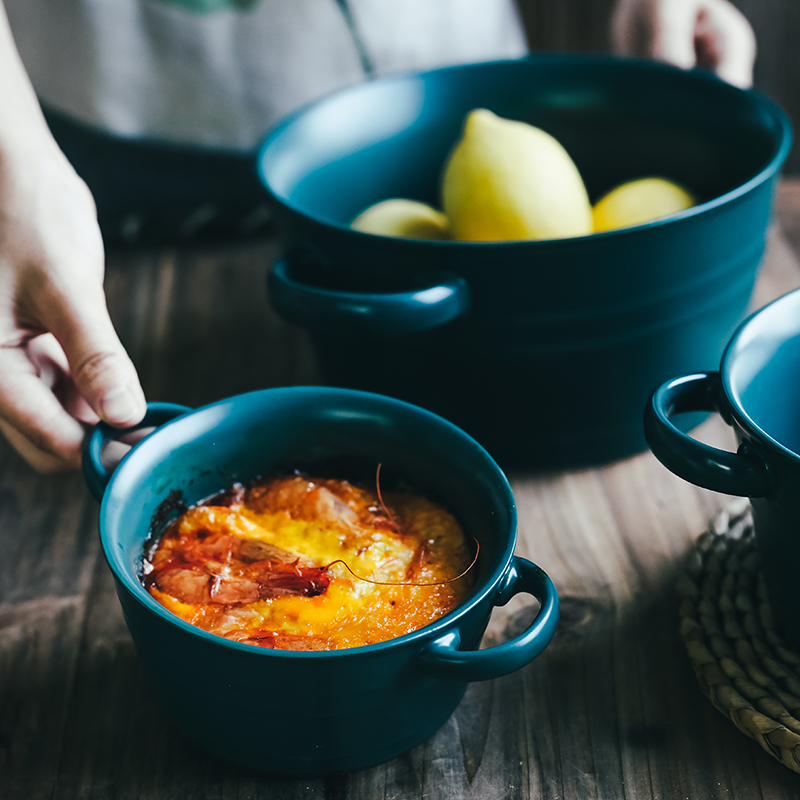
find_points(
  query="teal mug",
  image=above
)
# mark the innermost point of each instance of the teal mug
(757, 392)
(314, 713)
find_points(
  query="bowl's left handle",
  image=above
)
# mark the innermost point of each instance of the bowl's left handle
(444, 298)
(95, 471)
(442, 658)
(742, 473)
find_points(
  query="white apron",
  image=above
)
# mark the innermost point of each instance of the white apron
(222, 72)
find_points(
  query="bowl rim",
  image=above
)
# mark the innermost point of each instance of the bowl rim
(778, 115)
(134, 588)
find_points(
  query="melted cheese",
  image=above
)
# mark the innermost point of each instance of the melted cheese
(293, 563)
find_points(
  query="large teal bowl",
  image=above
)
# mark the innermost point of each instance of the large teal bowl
(545, 351)
(313, 713)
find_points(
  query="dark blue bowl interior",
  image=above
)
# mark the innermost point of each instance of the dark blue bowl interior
(618, 119)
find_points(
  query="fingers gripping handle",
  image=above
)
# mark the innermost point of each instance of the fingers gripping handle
(443, 659)
(95, 472)
(698, 463)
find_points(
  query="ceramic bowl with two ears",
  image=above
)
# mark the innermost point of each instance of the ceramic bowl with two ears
(547, 350)
(756, 390)
(314, 713)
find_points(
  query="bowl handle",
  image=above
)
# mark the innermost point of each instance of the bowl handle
(742, 473)
(446, 298)
(95, 471)
(442, 658)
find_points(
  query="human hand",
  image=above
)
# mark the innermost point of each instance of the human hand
(61, 363)
(688, 33)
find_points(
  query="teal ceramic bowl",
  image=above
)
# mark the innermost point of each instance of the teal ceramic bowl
(314, 713)
(757, 392)
(545, 351)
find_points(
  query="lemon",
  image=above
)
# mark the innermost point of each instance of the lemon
(400, 217)
(640, 201)
(509, 180)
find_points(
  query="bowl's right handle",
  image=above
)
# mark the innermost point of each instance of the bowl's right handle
(442, 657)
(446, 298)
(95, 472)
(742, 473)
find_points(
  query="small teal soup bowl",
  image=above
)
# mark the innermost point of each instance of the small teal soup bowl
(314, 713)
(757, 391)
(545, 351)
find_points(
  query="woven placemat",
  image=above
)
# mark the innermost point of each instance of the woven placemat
(742, 665)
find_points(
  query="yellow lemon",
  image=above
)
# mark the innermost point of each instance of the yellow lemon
(640, 201)
(509, 180)
(400, 217)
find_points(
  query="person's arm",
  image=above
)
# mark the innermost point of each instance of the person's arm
(61, 362)
(708, 33)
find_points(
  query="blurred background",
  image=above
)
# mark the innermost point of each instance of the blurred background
(582, 26)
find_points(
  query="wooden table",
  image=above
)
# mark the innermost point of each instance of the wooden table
(610, 710)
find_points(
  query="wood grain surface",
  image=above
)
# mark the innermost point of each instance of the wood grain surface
(611, 709)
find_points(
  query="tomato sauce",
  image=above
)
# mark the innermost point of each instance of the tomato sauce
(297, 563)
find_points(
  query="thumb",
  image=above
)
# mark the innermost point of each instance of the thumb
(728, 42)
(674, 33)
(100, 367)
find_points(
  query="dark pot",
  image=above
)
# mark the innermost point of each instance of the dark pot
(757, 391)
(545, 351)
(312, 713)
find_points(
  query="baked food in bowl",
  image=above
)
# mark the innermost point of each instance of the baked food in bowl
(337, 710)
(303, 563)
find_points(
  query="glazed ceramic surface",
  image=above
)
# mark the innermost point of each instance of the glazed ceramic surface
(545, 351)
(312, 713)
(757, 391)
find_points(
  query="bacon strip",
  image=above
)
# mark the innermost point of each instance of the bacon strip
(228, 570)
